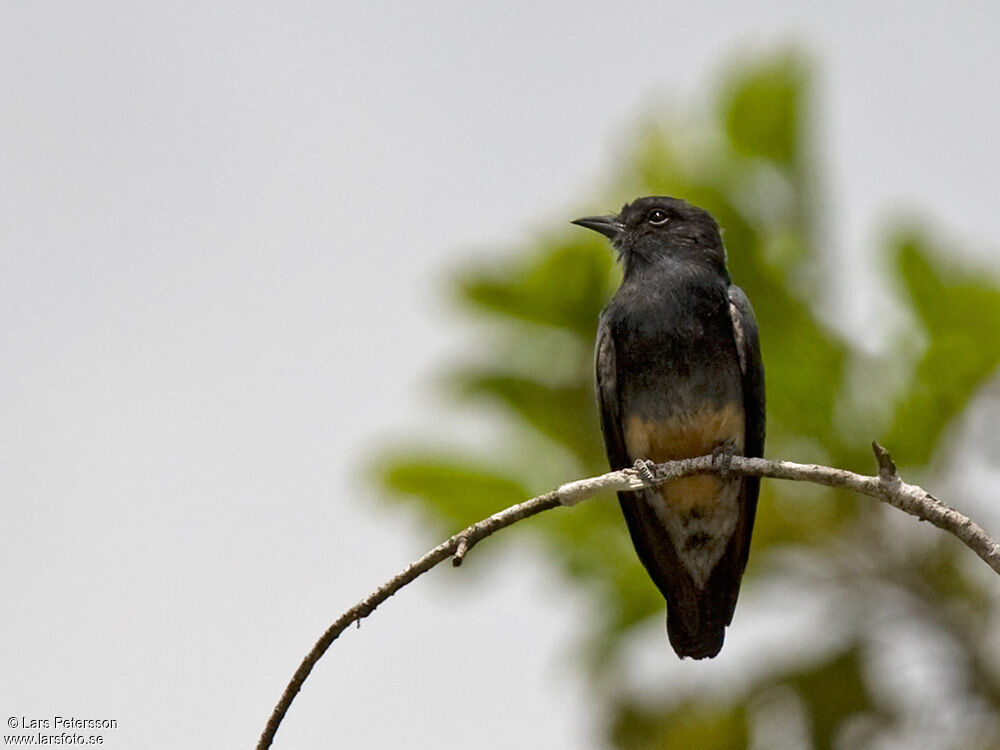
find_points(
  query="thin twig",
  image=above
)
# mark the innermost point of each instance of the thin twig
(460, 549)
(462, 541)
(886, 486)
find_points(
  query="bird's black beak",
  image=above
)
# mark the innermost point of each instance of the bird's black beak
(609, 226)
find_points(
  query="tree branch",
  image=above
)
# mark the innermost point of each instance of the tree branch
(886, 486)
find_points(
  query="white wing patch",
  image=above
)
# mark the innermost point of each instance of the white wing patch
(737, 318)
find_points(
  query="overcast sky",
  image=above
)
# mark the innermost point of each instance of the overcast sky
(224, 228)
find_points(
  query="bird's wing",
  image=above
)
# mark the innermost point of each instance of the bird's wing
(751, 367)
(608, 400)
(752, 370)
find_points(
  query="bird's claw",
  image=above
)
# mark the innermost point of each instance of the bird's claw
(646, 470)
(723, 456)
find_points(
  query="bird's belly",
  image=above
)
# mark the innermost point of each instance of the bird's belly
(686, 434)
(699, 513)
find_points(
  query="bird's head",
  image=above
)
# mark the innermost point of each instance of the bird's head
(650, 229)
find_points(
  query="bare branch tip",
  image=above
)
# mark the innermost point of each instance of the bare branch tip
(886, 466)
(460, 550)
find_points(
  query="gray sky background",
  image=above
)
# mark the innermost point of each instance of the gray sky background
(223, 230)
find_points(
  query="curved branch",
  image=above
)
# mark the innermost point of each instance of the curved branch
(457, 545)
(886, 486)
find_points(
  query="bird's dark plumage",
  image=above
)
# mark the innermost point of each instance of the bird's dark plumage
(679, 374)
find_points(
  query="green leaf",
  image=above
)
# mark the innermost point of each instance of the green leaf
(562, 285)
(702, 725)
(567, 414)
(833, 691)
(461, 492)
(959, 312)
(762, 110)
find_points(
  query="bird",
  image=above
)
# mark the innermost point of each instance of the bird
(679, 374)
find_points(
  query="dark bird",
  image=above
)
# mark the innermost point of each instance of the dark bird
(679, 374)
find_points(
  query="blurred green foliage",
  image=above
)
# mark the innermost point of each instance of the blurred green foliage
(748, 160)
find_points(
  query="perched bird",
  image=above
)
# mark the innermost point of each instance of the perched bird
(679, 374)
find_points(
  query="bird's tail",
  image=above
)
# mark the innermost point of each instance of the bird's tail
(696, 623)
(704, 643)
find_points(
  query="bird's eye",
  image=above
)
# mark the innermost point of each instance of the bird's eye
(657, 216)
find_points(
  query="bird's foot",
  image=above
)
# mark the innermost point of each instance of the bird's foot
(646, 470)
(723, 457)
